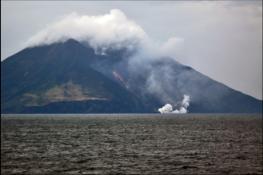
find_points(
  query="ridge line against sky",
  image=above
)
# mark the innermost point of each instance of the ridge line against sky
(221, 39)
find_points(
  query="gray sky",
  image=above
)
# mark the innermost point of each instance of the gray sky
(221, 39)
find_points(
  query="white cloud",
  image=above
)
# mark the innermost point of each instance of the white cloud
(104, 31)
(113, 30)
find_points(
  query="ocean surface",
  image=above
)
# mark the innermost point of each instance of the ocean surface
(131, 144)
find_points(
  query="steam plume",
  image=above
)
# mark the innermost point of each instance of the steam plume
(182, 110)
(109, 31)
(166, 109)
(113, 30)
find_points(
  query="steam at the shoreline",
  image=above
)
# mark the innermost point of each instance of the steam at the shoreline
(168, 108)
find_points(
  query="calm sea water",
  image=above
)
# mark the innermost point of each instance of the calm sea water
(131, 144)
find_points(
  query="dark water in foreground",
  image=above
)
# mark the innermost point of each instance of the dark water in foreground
(135, 144)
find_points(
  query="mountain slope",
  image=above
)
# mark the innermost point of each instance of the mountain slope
(42, 76)
(70, 78)
(165, 80)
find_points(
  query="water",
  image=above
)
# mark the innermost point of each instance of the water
(131, 144)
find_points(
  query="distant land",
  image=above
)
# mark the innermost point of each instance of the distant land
(70, 77)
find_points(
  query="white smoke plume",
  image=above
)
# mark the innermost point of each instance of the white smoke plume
(168, 108)
(186, 101)
(182, 110)
(113, 30)
(109, 31)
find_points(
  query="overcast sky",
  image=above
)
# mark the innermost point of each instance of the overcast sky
(221, 39)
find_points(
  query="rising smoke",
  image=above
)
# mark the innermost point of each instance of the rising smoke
(114, 31)
(168, 108)
(110, 31)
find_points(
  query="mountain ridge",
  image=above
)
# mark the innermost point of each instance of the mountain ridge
(75, 71)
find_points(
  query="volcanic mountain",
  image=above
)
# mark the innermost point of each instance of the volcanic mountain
(70, 77)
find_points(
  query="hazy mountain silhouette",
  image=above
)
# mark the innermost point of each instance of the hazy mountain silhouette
(70, 77)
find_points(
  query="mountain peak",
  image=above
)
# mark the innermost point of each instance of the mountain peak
(72, 43)
(70, 77)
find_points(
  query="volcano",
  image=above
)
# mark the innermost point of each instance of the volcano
(70, 77)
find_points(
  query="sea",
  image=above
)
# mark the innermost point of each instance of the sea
(131, 144)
